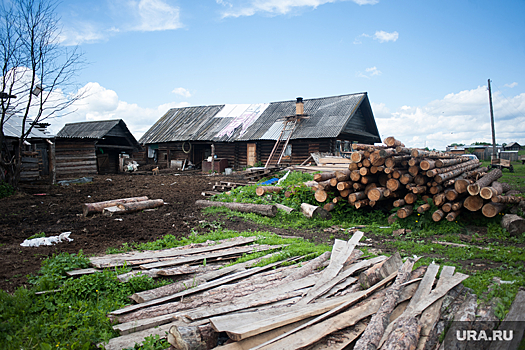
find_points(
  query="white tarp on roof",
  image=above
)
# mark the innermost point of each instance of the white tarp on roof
(243, 115)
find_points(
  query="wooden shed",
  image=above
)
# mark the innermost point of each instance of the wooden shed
(93, 147)
(246, 134)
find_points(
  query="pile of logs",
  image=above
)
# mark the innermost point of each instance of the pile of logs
(381, 301)
(392, 175)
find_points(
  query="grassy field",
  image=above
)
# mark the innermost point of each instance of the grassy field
(515, 179)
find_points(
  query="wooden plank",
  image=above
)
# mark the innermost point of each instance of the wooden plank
(340, 253)
(430, 316)
(213, 255)
(357, 297)
(202, 287)
(343, 340)
(119, 259)
(281, 292)
(88, 271)
(317, 331)
(515, 314)
(140, 325)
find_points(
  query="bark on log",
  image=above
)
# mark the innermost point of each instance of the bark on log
(402, 149)
(375, 329)
(473, 203)
(345, 193)
(463, 166)
(284, 207)
(399, 203)
(262, 190)
(398, 159)
(324, 176)
(507, 199)
(358, 186)
(374, 169)
(440, 163)
(413, 170)
(370, 187)
(436, 189)
(387, 152)
(329, 206)
(514, 224)
(456, 172)
(391, 141)
(453, 215)
(406, 179)
(447, 207)
(423, 208)
(414, 161)
(131, 207)
(461, 185)
(357, 156)
(419, 189)
(365, 180)
(262, 209)
(364, 171)
(353, 166)
(494, 190)
(366, 163)
(311, 211)
(98, 207)
(492, 209)
(324, 185)
(380, 271)
(193, 337)
(457, 205)
(485, 181)
(427, 164)
(333, 182)
(393, 184)
(421, 180)
(438, 215)
(353, 197)
(439, 199)
(361, 203)
(342, 175)
(405, 212)
(405, 336)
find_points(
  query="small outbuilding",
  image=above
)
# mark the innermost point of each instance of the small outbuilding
(94, 147)
(241, 135)
(513, 146)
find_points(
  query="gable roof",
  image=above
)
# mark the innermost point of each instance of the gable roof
(512, 144)
(98, 130)
(328, 117)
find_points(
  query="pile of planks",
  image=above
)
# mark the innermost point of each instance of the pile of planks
(392, 175)
(381, 301)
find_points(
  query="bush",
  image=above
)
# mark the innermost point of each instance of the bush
(6, 189)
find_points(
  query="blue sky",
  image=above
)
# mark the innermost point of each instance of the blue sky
(424, 64)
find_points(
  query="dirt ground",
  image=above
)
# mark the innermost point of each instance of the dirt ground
(57, 209)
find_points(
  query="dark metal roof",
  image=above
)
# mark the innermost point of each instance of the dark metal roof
(328, 117)
(88, 130)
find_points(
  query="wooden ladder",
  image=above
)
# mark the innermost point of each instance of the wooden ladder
(284, 137)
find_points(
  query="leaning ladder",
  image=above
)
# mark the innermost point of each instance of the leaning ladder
(284, 136)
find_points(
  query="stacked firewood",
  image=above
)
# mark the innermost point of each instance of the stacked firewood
(380, 301)
(393, 175)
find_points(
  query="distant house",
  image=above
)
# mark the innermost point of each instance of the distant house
(513, 146)
(245, 134)
(93, 147)
(483, 152)
(36, 150)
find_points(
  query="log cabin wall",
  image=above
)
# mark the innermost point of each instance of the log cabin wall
(75, 157)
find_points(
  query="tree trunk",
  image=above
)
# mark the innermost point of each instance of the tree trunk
(492, 209)
(311, 211)
(353, 197)
(321, 196)
(98, 207)
(404, 150)
(329, 206)
(484, 181)
(438, 215)
(494, 190)
(405, 335)
(463, 166)
(262, 209)
(451, 194)
(380, 271)
(405, 212)
(324, 176)
(419, 189)
(358, 186)
(410, 198)
(131, 207)
(357, 156)
(514, 224)
(323, 185)
(393, 184)
(344, 185)
(436, 189)
(439, 199)
(427, 164)
(262, 190)
(364, 171)
(365, 180)
(406, 179)
(461, 185)
(453, 215)
(342, 175)
(361, 203)
(473, 203)
(440, 163)
(447, 207)
(457, 205)
(355, 176)
(392, 142)
(413, 170)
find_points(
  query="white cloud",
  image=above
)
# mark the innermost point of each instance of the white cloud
(514, 84)
(275, 7)
(142, 15)
(370, 72)
(182, 92)
(383, 36)
(461, 117)
(103, 104)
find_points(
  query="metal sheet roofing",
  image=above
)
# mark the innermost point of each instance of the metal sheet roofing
(13, 128)
(327, 118)
(88, 130)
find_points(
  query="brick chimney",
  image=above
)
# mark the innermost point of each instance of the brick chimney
(299, 106)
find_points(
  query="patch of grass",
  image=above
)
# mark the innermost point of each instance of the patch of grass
(38, 235)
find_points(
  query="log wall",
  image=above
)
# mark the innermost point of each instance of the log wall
(75, 157)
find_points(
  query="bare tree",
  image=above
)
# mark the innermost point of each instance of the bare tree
(38, 73)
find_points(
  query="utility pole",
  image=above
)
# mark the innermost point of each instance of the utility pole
(492, 125)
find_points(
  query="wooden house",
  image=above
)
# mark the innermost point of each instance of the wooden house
(513, 146)
(244, 135)
(93, 147)
(37, 148)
